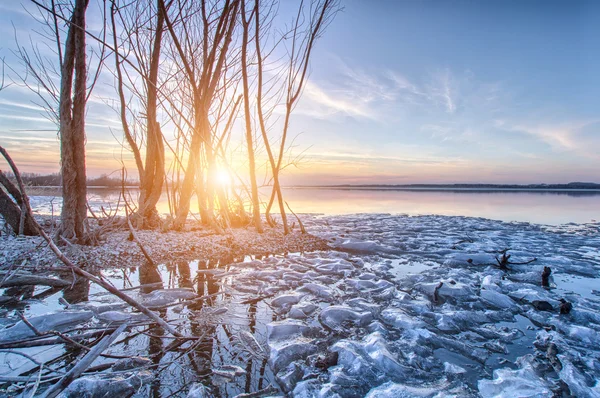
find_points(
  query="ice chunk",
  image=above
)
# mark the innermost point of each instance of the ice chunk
(97, 387)
(396, 390)
(286, 329)
(131, 363)
(288, 377)
(508, 383)
(400, 320)
(497, 299)
(575, 380)
(121, 316)
(301, 310)
(366, 284)
(199, 390)
(162, 297)
(449, 288)
(228, 371)
(57, 321)
(307, 389)
(286, 300)
(341, 267)
(336, 316)
(285, 352)
(318, 290)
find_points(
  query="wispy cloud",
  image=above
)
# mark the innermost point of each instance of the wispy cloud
(559, 136)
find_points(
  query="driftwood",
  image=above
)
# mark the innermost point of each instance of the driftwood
(83, 364)
(28, 280)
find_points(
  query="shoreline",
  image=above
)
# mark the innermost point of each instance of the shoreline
(197, 242)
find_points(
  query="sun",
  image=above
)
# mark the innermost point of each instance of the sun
(222, 177)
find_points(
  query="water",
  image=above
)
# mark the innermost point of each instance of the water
(220, 345)
(540, 207)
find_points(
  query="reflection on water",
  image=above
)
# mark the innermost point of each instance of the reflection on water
(220, 320)
(543, 207)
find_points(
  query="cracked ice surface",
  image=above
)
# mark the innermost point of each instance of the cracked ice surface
(370, 318)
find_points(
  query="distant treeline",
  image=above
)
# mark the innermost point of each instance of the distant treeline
(570, 185)
(54, 180)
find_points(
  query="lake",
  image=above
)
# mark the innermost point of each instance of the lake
(541, 207)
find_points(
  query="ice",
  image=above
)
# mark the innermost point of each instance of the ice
(397, 318)
(120, 317)
(285, 352)
(335, 317)
(286, 300)
(497, 299)
(578, 386)
(162, 297)
(340, 267)
(44, 323)
(131, 363)
(229, 371)
(122, 386)
(286, 329)
(302, 310)
(198, 390)
(318, 290)
(96, 387)
(396, 390)
(508, 383)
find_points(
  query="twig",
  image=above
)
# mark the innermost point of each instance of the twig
(297, 218)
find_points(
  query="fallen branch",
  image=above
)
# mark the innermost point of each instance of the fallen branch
(82, 365)
(27, 280)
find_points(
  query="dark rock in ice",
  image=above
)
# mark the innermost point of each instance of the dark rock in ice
(542, 305)
(546, 276)
(326, 361)
(565, 307)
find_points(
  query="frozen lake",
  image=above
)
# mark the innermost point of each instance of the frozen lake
(540, 207)
(400, 306)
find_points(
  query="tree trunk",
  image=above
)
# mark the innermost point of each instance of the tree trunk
(12, 215)
(72, 129)
(249, 138)
(155, 149)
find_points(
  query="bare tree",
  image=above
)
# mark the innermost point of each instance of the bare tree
(303, 39)
(137, 35)
(202, 45)
(62, 86)
(73, 96)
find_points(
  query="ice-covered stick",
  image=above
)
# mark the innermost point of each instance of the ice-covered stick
(82, 365)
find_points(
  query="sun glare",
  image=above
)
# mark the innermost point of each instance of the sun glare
(222, 177)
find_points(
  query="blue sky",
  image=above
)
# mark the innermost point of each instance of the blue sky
(407, 92)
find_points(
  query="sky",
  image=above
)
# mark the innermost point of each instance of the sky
(399, 92)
